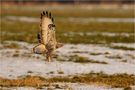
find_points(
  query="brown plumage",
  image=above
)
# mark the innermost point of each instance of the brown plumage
(46, 36)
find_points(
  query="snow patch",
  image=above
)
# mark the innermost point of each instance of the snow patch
(20, 65)
(74, 19)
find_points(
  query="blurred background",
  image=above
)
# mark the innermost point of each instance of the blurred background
(71, 1)
(98, 37)
(77, 21)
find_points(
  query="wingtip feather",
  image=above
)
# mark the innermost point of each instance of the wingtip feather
(52, 19)
(50, 15)
(43, 13)
(47, 14)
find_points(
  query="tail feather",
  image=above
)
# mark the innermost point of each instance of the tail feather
(39, 49)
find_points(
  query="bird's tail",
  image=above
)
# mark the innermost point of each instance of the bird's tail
(39, 49)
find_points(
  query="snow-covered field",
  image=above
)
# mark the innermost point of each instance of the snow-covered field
(16, 62)
(101, 56)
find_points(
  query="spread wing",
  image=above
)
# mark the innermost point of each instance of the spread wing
(46, 20)
(46, 36)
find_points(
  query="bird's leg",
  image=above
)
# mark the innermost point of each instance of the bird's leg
(49, 56)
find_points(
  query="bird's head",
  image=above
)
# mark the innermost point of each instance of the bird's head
(51, 27)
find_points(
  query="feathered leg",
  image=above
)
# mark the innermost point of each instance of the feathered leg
(49, 56)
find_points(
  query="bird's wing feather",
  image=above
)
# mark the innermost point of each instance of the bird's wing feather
(39, 37)
(46, 19)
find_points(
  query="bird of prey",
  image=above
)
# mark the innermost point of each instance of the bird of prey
(46, 36)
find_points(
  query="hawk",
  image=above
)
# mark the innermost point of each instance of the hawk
(46, 36)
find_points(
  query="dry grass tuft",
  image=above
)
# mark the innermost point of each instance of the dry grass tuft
(123, 48)
(114, 57)
(32, 81)
(12, 46)
(80, 59)
(116, 80)
(60, 72)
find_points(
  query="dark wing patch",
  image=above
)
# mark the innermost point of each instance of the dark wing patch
(39, 37)
(43, 13)
(52, 19)
(47, 13)
(50, 15)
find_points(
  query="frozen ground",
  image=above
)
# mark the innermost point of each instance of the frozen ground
(16, 62)
(21, 61)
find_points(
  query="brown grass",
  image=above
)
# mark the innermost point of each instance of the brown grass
(116, 80)
(81, 59)
(114, 57)
(33, 81)
(60, 72)
(11, 45)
